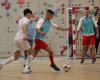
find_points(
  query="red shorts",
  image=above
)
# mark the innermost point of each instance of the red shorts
(39, 44)
(88, 40)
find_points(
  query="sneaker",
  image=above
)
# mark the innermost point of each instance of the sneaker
(1, 66)
(55, 67)
(93, 61)
(71, 55)
(26, 71)
(82, 61)
(28, 68)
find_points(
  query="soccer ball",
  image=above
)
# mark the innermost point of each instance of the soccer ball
(66, 67)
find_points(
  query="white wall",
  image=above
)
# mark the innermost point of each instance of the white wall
(8, 26)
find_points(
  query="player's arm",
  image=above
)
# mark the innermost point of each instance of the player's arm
(79, 28)
(39, 26)
(96, 27)
(36, 19)
(24, 29)
(62, 28)
(39, 31)
(58, 27)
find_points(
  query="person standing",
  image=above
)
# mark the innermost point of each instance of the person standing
(87, 24)
(98, 39)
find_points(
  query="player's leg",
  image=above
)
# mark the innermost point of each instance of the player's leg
(67, 66)
(64, 49)
(85, 43)
(83, 54)
(29, 59)
(28, 62)
(25, 52)
(25, 55)
(30, 42)
(11, 59)
(37, 47)
(39, 44)
(92, 47)
(43, 45)
(51, 57)
(36, 53)
(93, 51)
(17, 54)
(23, 46)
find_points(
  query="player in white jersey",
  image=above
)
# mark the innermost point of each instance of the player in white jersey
(21, 41)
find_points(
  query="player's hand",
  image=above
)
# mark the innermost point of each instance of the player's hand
(36, 19)
(43, 33)
(24, 38)
(77, 32)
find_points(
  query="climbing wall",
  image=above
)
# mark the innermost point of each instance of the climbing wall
(11, 11)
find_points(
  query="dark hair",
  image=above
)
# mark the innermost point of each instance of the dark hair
(86, 8)
(50, 11)
(27, 11)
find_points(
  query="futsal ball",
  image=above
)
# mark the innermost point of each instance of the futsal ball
(66, 68)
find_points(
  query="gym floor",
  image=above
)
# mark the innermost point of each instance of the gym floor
(42, 71)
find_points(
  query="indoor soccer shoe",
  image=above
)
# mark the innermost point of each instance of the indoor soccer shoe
(28, 68)
(27, 71)
(93, 61)
(82, 61)
(55, 67)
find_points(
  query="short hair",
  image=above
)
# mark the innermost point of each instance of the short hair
(86, 8)
(50, 11)
(27, 11)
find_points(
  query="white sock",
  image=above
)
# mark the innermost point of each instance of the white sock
(9, 60)
(28, 61)
(68, 55)
(74, 56)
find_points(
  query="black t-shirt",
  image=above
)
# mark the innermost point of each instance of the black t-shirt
(98, 23)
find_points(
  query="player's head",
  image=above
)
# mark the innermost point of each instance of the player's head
(86, 11)
(28, 13)
(49, 14)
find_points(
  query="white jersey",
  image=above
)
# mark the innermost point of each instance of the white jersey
(20, 35)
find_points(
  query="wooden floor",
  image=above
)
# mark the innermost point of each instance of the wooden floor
(42, 71)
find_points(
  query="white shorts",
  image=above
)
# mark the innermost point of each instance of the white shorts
(22, 45)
